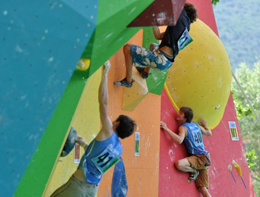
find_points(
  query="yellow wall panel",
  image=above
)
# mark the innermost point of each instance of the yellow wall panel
(86, 122)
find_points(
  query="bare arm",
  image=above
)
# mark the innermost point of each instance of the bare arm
(82, 142)
(106, 129)
(178, 138)
(204, 128)
(157, 34)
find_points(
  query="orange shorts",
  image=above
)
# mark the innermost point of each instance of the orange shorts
(197, 162)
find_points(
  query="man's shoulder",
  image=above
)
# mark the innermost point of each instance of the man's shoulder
(187, 123)
(184, 18)
(183, 12)
(183, 127)
(190, 124)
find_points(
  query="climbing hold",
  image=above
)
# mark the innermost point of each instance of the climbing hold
(160, 12)
(134, 95)
(83, 64)
(230, 170)
(70, 142)
(239, 171)
(237, 167)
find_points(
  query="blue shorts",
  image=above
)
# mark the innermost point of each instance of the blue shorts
(153, 59)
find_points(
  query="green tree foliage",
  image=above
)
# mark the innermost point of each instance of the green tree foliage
(249, 118)
(214, 2)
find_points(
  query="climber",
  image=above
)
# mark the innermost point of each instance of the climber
(198, 161)
(161, 56)
(102, 153)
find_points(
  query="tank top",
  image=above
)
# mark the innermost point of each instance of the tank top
(173, 33)
(193, 141)
(99, 157)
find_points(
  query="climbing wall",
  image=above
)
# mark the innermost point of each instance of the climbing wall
(41, 43)
(44, 95)
(139, 169)
(222, 146)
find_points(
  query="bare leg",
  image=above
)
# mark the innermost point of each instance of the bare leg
(204, 191)
(184, 166)
(128, 62)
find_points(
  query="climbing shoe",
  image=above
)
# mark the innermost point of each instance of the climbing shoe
(193, 176)
(142, 72)
(124, 83)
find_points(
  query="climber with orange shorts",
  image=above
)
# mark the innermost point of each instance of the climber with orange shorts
(199, 159)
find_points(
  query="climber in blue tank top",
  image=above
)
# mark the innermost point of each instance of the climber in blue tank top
(100, 156)
(193, 141)
(102, 153)
(198, 160)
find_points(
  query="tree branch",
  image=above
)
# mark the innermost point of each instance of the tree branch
(247, 99)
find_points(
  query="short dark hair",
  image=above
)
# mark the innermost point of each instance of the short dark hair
(191, 11)
(188, 113)
(126, 126)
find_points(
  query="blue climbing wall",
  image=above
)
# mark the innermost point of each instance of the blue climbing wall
(41, 42)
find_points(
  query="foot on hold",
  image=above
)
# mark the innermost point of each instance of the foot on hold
(193, 176)
(124, 83)
(142, 72)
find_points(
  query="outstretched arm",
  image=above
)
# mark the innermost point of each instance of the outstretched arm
(178, 138)
(204, 128)
(106, 129)
(157, 34)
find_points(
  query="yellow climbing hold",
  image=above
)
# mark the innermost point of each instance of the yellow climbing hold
(237, 167)
(83, 64)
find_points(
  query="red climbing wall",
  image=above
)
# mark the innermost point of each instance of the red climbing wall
(222, 148)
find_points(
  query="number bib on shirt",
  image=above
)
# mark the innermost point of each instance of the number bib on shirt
(106, 159)
(184, 40)
(197, 138)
